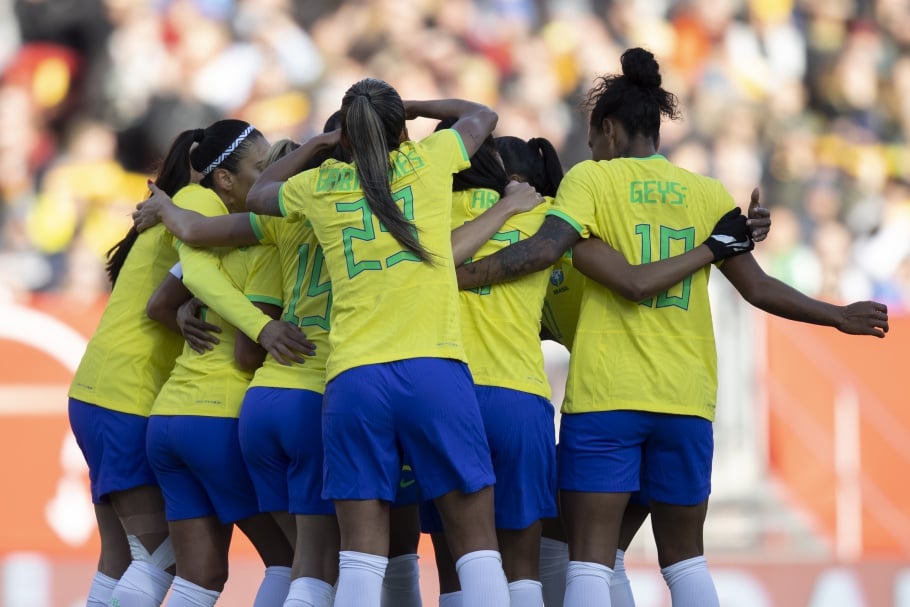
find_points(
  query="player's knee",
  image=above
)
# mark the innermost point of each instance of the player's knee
(161, 557)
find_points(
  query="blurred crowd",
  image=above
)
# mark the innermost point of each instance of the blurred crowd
(808, 99)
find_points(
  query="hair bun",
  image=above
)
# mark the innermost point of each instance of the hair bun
(640, 67)
(198, 135)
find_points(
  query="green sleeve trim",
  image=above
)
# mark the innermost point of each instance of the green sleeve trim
(257, 229)
(281, 208)
(464, 151)
(557, 213)
(265, 299)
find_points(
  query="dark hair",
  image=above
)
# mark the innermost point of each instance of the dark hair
(372, 119)
(535, 160)
(486, 170)
(338, 152)
(218, 143)
(635, 98)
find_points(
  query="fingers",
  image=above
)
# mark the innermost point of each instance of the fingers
(286, 342)
(753, 201)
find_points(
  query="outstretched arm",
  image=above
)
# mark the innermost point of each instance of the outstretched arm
(775, 297)
(192, 228)
(263, 196)
(474, 121)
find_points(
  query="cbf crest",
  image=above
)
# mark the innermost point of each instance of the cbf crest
(556, 277)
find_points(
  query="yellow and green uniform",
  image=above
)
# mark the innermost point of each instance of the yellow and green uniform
(387, 305)
(658, 354)
(501, 323)
(562, 302)
(200, 267)
(211, 384)
(130, 356)
(307, 295)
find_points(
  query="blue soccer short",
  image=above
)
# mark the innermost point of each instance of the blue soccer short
(113, 444)
(425, 407)
(521, 435)
(200, 467)
(281, 440)
(623, 451)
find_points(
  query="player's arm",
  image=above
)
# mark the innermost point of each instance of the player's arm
(467, 239)
(249, 354)
(192, 228)
(775, 297)
(600, 262)
(473, 121)
(536, 253)
(263, 198)
(202, 274)
(174, 306)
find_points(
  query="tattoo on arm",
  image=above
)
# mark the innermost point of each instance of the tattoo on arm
(540, 251)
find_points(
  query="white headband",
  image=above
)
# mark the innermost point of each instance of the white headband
(230, 150)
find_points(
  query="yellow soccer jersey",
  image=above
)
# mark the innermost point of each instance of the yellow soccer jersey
(130, 356)
(211, 384)
(307, 296)
(386, 304)
(200, 267)
(562, 303)
(501, 323)
(657, 354)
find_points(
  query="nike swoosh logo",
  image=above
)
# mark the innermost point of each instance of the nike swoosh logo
(406, 484)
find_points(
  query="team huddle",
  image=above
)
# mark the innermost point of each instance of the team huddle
(334, 346)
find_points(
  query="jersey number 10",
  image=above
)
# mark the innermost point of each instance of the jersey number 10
(667, 235)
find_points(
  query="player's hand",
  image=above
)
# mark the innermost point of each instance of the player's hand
(758, 219)
(730, 236)
(199, 335)
(520, 197)
(148, 212)
(329, 139)
(286, 342)
(864, 318)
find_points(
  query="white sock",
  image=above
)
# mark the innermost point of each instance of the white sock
(525, 593)
(360, 579)
(450, 599)
(142, 585)
(188, 594)
(690, 583)
(587, 585)
(99, 593)
(620, 588)
(310, 592)
(483, 582)
(401, 584)
(274, 587)
(554, 558)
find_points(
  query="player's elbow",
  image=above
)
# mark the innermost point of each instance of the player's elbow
(156, 309)
(633, 291)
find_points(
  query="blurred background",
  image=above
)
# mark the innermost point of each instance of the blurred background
(807, 99)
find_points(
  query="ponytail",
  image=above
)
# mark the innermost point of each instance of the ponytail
(372, 118)
(535, 161)
(173, 175)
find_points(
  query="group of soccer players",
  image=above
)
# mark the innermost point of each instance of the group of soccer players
(377, 353)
